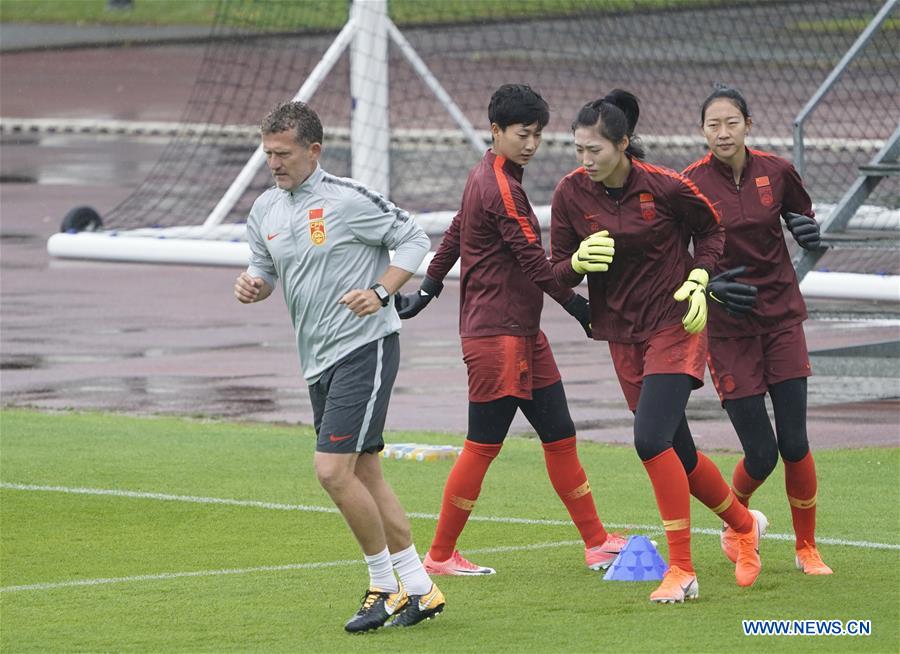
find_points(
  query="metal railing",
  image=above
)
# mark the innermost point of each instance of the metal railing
(833, 77)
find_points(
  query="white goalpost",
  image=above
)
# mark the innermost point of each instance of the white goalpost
(366, 33)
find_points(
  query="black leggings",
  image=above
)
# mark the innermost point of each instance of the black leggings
(547, 411)
(762, 445)
(660, 423)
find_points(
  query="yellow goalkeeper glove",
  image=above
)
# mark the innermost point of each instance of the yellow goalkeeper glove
(594, 254)
(694, 291)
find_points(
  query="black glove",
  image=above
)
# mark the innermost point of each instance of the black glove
(580, 309)
(804, 229)
(737, 298)
(410, 304)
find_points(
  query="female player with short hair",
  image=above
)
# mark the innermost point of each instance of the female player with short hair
(638, 305)
(504, 274)
(764, 349)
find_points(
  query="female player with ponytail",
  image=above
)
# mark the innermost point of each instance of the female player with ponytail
(764, 349)
(649, 303)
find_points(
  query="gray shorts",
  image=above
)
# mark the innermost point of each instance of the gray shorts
(350, 400)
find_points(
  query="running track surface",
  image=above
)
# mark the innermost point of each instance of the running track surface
(172, 340)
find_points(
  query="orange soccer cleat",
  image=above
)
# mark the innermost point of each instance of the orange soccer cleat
(455, 565)
(677, 586)
(748, 565)
(602, 556)
(810, 561)
(728, 541)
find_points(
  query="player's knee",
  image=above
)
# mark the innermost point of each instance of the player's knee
(794, 449)
(687, 454)
(648, 446)
(559, 438)
(332, 477)
(761, 460)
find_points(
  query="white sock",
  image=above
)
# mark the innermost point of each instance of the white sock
(381, 573)
(409, 569)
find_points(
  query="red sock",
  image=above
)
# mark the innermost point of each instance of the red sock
(743, 484)
(573, 488)
(460, 492)
(673, 497)
(708, 486)
(800, 482)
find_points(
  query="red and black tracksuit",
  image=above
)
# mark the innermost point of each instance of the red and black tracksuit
(504, 275)
(651, 218)
(764, 350)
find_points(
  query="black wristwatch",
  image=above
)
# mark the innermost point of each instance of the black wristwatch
(383, 296)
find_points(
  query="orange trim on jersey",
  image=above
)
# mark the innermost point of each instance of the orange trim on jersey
(578, 171)
(700, 162)
(761, 153)
(650, 168)
(508, 201)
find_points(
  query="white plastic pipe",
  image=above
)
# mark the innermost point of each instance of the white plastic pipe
(851, 286)
(103, 247)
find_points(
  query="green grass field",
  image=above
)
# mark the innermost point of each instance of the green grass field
(157, 564)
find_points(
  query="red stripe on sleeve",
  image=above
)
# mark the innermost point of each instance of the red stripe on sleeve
(508, 201)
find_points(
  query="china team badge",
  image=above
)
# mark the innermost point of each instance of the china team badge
(648, 206)
(317, 226)
(765, 191)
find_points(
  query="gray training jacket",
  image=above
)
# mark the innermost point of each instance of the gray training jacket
(327, 236)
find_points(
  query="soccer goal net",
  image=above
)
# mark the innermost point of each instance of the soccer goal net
(402, 88)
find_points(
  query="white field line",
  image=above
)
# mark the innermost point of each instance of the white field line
(264, 568)
(648, 529)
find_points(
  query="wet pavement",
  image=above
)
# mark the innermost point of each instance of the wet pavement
(171, 340)
(148, 339)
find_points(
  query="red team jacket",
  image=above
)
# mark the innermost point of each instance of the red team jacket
(751, 214)
(504, 269)
(649, 222)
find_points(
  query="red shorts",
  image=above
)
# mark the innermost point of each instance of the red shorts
(747, 366)
(504, 365)
(671, 350)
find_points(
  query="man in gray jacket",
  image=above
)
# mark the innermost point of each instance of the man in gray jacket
(328, 239)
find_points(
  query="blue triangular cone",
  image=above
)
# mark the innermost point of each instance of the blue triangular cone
(638, 561)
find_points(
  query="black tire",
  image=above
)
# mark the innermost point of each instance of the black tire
(81, 219)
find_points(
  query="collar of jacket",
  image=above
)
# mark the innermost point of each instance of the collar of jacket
(509, 167)
(307, 184)
(724, 169)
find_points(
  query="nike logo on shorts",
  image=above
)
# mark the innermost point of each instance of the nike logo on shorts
(271, 236)
(338, 439)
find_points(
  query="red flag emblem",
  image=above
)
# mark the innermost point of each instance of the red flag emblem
(648, 206)
(764, 189)
(317, 226)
